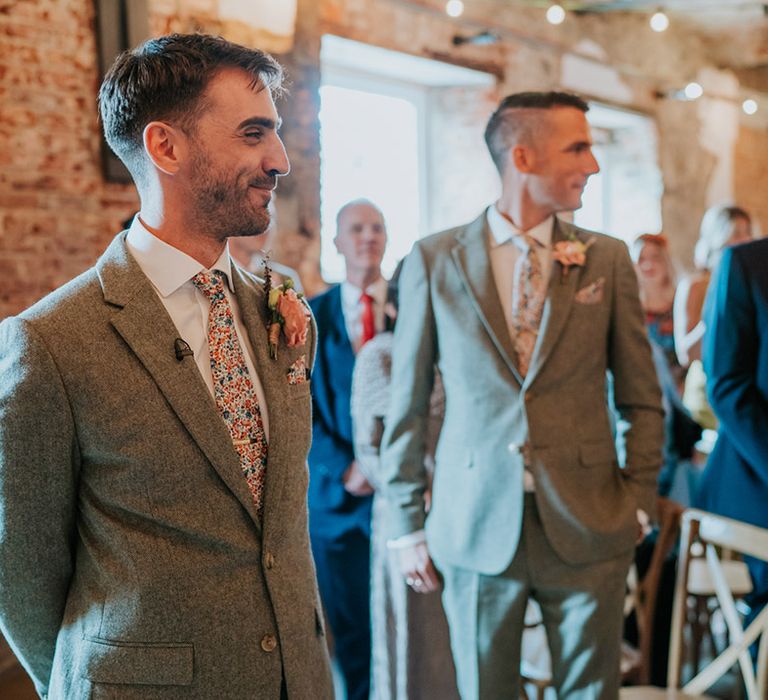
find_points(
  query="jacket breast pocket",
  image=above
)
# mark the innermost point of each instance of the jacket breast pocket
(134, 663)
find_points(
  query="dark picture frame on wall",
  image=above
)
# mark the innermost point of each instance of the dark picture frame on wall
(120, 25)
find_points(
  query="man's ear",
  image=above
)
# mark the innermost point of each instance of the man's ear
(522, 158)
(165, 145)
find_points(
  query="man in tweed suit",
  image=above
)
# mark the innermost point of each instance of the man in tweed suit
(525, 316)
(153, 523)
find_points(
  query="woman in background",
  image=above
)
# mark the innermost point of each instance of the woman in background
(721, 226)
(411, 654)
(656, 278)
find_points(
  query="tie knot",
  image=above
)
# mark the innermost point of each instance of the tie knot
(366, 298)
(525, 242)
(211, 284)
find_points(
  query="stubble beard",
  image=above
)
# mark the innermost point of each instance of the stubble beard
(223, 205)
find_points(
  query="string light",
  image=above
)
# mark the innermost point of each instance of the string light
(659, 22)
(454, 8)
(749, 106)
(693, 91)
(555, 14)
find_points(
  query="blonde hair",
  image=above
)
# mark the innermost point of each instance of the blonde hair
(715, 232)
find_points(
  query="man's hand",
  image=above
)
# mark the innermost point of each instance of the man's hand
(355, 483)
(417, 568)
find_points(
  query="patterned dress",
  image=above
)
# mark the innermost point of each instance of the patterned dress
(411, 655)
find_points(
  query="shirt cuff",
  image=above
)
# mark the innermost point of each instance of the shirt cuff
(409, 540)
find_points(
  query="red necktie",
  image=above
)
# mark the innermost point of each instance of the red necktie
(369, 326)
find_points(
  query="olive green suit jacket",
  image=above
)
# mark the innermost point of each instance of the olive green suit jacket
(133, 563)
(558, 419)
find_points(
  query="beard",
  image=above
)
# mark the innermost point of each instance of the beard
(223, 201)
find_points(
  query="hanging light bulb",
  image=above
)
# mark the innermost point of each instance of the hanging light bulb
(454, 8)
(693, 91)
(749, 106)
(555, 14)
(659, 22)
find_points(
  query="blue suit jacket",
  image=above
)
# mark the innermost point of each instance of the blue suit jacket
(735, 353)
(332, 509)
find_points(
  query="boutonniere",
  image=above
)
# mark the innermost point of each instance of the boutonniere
(287, 312)
(571, 253)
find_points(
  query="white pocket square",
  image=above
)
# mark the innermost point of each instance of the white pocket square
(592, 293)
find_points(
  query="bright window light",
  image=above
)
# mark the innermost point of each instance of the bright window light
(369, 148)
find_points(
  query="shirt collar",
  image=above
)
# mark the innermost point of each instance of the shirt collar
(169, 268)
(351, 294)
(502, 229)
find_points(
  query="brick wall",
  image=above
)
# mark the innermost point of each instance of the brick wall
(56, 212)
(751, 173)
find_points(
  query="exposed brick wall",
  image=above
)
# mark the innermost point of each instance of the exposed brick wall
(751, 174)
(56, 212)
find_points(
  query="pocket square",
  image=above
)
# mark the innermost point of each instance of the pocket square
(592, 293)
(297, 372)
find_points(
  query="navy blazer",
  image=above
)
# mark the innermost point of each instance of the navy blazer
(332, 509)
(735, 355)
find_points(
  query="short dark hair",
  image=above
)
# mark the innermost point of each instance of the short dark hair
(504, 124)
(165, 78)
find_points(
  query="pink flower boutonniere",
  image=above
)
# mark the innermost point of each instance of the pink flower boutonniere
(571, 253)
(287, 311)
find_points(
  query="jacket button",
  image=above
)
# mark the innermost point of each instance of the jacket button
(514, 448)
(269, 560)
(268, 643)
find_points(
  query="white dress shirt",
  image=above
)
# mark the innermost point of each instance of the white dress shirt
(352, 308)
(170, 271)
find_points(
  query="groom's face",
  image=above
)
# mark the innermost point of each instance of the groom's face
(563, 160)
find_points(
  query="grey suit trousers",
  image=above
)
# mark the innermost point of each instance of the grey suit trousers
(581, 607)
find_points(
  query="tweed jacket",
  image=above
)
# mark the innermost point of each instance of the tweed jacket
(557, 420)
(133, 563)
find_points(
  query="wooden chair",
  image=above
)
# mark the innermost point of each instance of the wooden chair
(715, 533)
(642, 593)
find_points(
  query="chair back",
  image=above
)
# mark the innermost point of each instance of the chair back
(715, 533)
(645, 591)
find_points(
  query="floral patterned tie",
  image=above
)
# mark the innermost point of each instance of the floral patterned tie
(528, 295)
(233, 388)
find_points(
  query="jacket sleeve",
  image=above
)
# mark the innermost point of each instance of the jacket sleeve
(636, 392)
(331, 451)
(403, 474)
(38, 492)
(730, 357)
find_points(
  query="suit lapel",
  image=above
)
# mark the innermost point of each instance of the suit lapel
(143, 323)
(272, 375)
(557, 306)
(472, 258)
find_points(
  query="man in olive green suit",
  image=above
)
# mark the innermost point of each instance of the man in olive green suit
(153, 521)
(529, 320)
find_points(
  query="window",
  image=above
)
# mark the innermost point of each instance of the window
(624, 198)
(392, 131)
